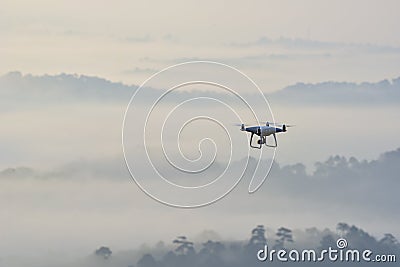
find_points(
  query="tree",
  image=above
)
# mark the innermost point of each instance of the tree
(104, 252)
(284, 236)
(356, 237)
(389, 239)
(184, 247)
(389, 243)
(258, 236)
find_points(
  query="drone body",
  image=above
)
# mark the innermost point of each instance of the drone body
(263, 131)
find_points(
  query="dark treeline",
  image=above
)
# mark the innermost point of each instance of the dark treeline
(212, 253)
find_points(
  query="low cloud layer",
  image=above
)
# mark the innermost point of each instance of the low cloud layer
(108, 208)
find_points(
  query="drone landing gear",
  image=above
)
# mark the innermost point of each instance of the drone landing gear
(261, 141)
(275, 142)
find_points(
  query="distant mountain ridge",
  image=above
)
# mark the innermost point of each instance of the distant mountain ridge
(382, 92)
(64, 87)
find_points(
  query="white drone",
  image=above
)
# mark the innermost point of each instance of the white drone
(263, 131)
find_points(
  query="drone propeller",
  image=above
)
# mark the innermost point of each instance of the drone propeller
(284, 126)
(279, 124)
(242, 126)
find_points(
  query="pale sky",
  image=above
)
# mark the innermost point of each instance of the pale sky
(130, 40)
